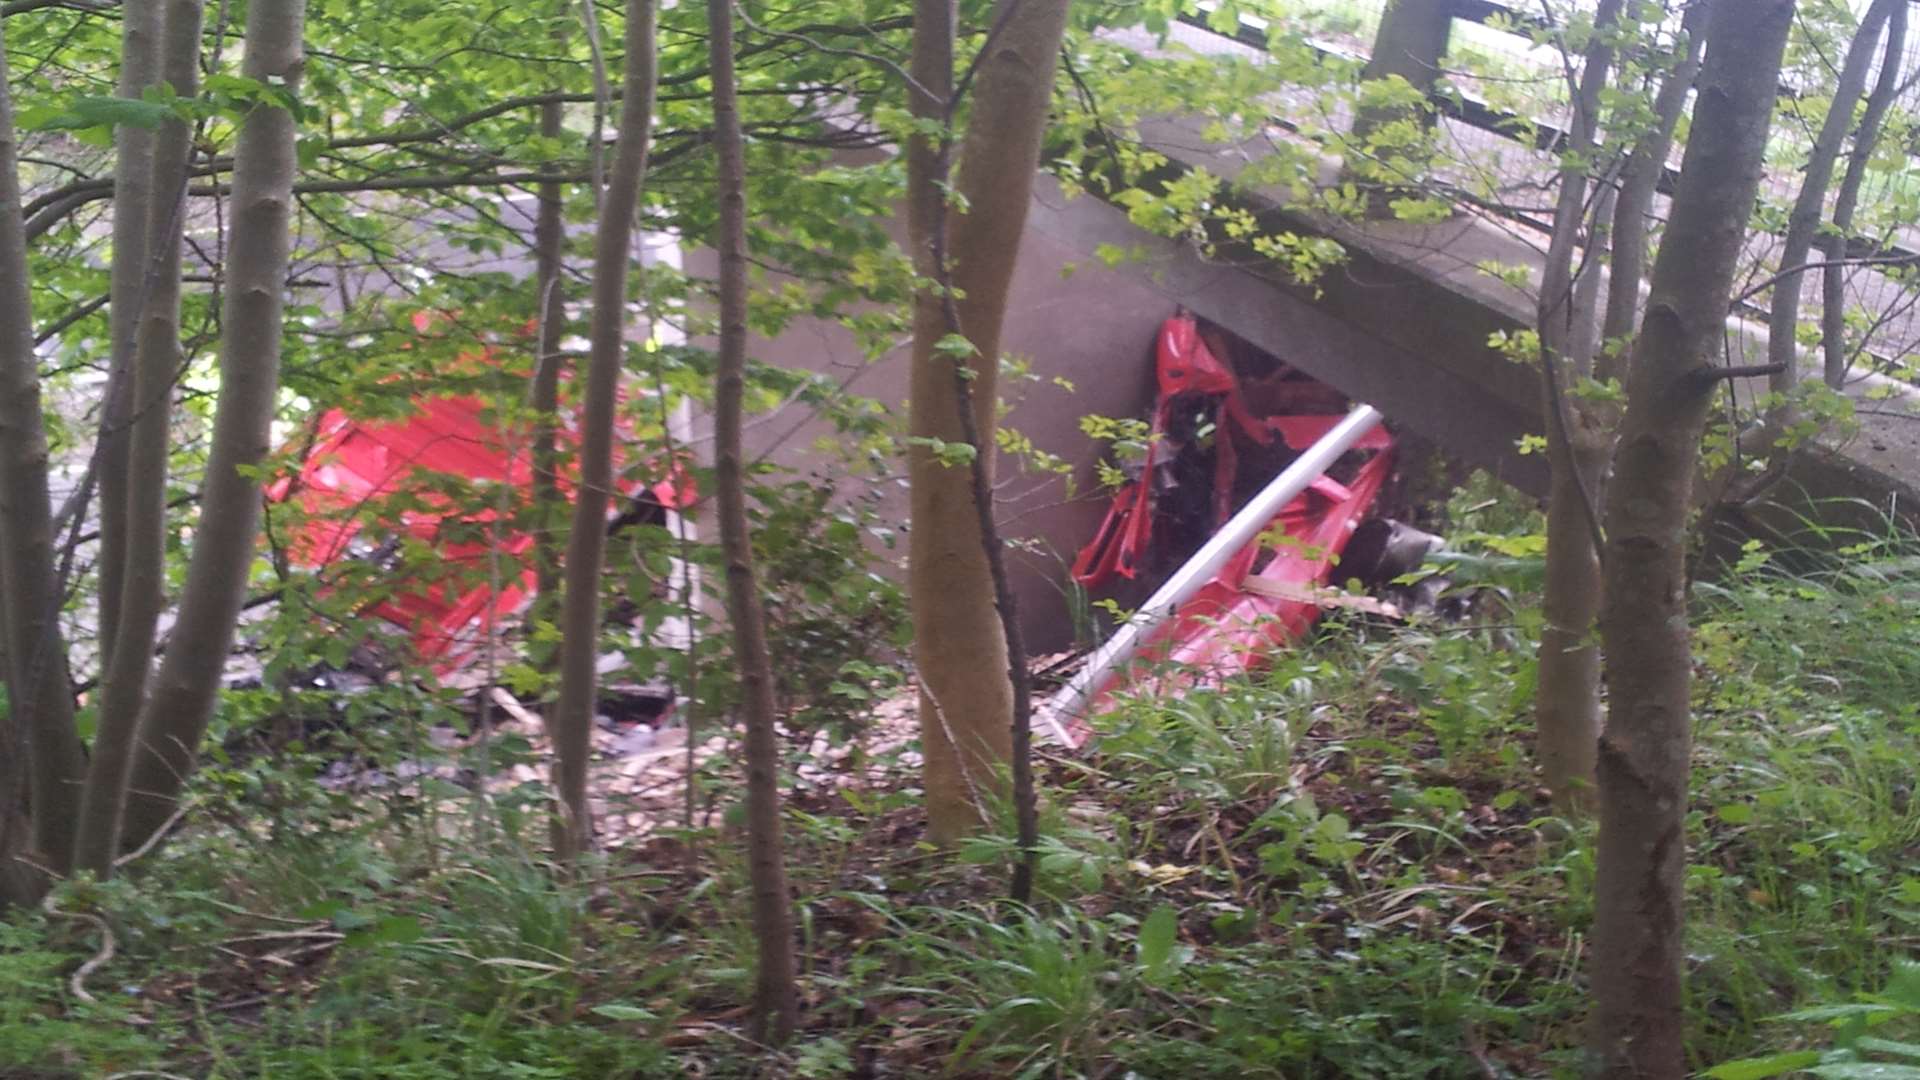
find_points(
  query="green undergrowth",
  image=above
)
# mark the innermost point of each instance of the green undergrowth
(1341, 867)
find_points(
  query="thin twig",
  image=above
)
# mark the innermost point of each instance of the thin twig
(153, 840)
(853, 54)
(602, 96)
(1794, 271)
(77, 982)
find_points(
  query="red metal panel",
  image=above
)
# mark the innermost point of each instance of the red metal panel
(353, 464)
(1226, 629)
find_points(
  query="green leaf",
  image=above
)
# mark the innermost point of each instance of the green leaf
(1158, 937)
(1904, 988)
(1887, 1046)
(616, 1011)
(956, 346)
(325, 909)
(392, 930)
(1867, 1070)
(1839, 1012)
(349, 919)
(518, 962)
(1735, 813)
(950, 454)
(1762, 1067)
(38, 117)
(97, 111)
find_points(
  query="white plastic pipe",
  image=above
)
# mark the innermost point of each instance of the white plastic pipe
(1071, 700)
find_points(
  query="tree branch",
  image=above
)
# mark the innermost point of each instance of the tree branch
(1907, 259)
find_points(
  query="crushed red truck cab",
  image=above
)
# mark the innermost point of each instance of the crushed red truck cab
(1226, 422)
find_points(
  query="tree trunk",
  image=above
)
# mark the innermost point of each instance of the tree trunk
(40, 713)
(1833, 281)
(20, 885)
(549, 253)
(141, 35)
(955, 626)
(39, 779)
(776, 1005)
(1567, 693)
(966, 713)
(1633, 211)
(571, 723)
(156, 362)
(1637, 945)
(1809, 209)
(184, 690)
(1410, 43)
(937, 313)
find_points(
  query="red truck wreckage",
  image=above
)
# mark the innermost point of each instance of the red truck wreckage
(1253, 481)
(1256, 478)
(355, 464)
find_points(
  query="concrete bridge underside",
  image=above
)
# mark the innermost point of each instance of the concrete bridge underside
(1404, 325)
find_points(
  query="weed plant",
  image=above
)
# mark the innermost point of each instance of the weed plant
(1340, 867)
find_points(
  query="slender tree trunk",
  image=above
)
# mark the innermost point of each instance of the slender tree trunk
(776, 1005)
(40, 711)
(1833, 280)
(1637, 948)
(1410, 43)
(157, 360)
(141, 36)
(549, 252)
(572, 718)
(1809, 210)
(1633, 210)
(966, 714)
(956, 779)
(19, 885)
(1567, 694)
(252, 308)
(937, 312)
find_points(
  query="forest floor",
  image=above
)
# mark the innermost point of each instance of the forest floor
(1341, 867)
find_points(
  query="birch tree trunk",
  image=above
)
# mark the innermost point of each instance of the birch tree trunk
(184, 690)
(571, 722)
(1637, 948)
(1809, 210)
(960, 650)
(40, 708)
(157, 359)
(45, 752)
(776, 1004)
(1567, 693)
